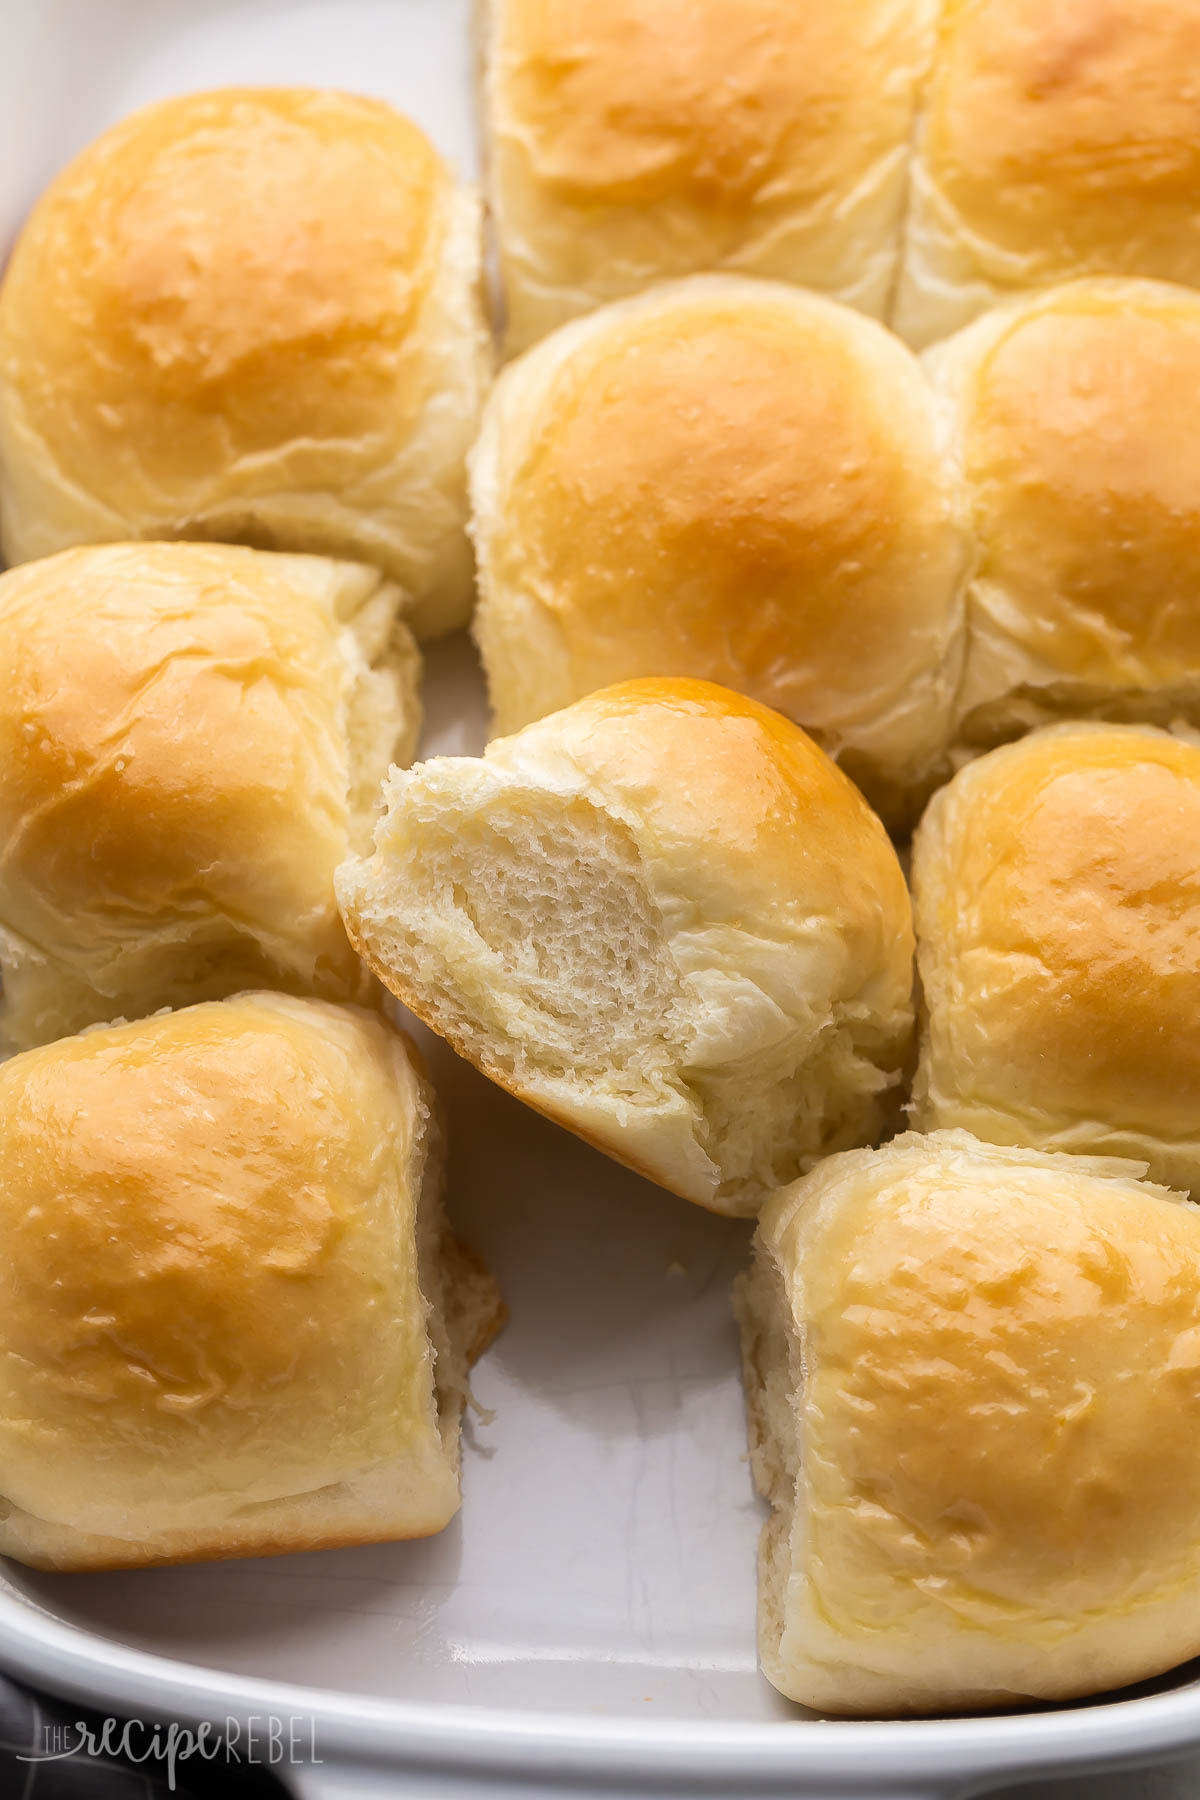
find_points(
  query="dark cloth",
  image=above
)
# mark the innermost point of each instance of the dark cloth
(36, 1726)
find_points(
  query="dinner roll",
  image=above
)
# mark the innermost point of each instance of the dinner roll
(736, 481)
(974, 1404)
(664, 919)
(1057, 896)
(1058, 139)
(1074, 414)
(234, 1320)
(191, 736)
(635, 140)
(249, 315)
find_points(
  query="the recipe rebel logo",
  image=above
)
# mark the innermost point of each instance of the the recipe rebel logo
(264, 1740)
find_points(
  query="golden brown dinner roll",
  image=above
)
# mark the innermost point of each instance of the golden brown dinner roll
(191, 737)
(731, 480)
(249, 315)
(635, 140)
(974, 1402)
(1059, 138)
(1057, 895)
(234, 1321)
(1075, 419)
(663, 918)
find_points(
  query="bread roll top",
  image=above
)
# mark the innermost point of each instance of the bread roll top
(211, 1290)
(994, 1369)
(240, 315)
(1058, 915)
(1056, 140)
(1067, 137)
(632, 143)
(191, 737)
(1071, 413)
(732, 481)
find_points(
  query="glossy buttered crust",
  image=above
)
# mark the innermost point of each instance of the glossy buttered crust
(1057, 139)
(1057, 898)
(662, 917)
(997, 145)
(1073, 416)
(735, 481)
(631, 143)
(191, 738)
(249, 315)
(223, 1289)
(974, 1391)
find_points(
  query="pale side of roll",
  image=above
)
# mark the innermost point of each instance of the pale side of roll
(234, 1320)
(973, 1385)
(635, 141)
(735, 481)
(192, 736)
(251, 315)
(663, 918)
(1056, 889)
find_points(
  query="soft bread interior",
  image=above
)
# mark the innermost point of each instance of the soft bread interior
(523, 924)
(520, 926)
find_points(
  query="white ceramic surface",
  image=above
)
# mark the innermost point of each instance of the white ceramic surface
(588, 1620)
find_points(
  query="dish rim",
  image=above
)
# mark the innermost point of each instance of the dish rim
(935, 1756)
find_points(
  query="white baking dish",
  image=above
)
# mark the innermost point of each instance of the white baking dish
(588, 1622)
